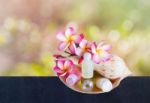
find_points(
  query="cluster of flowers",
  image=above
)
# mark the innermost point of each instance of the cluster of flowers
(77, 45)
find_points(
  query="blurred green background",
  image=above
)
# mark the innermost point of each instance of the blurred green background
(28, 29)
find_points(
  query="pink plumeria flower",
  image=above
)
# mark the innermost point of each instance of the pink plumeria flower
(63, 67)
(100, 52)
(84, 46)
(69, 39)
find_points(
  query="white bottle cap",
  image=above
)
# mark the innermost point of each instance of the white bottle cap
(71, 79)
(104, 84)
(87, 56)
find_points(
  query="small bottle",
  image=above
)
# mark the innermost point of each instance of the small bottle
(73, 77)
(104, 84)
(87, 66)
(87, 85)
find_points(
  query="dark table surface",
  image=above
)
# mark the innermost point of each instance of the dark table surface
(52, 90)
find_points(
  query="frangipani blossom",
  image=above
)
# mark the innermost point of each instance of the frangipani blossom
(69, 39)
(63, 67)
(100, 52)
(84, 46)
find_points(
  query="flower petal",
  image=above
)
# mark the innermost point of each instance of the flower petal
(60, 36)
(78, 38)
(100, 44)
(72, 48)
(93, 48)
(104, 56)
(80, 60)
(62, 74)
(68, 64)
(57, 70)
(106, 47)
(57, 56)
(79, 51)
(69, 31)
(83, 43)
(60, 64)
(96, 58)
(62, 46)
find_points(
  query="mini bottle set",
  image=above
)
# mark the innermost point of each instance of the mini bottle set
(87, 67)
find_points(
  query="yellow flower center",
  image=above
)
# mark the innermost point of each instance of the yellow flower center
(85, 48)
(65, 69)
(98, 51)
(70, 39)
